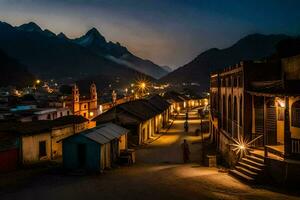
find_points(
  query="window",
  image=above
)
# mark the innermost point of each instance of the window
(235, 81)
(42, 149)
(296, 114)
(48, 116)
(280, 114)
(229, 82)
(224, 118)
(240, 81)
(68, 112)
(84, 114)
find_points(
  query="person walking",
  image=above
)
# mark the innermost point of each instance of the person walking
(186, 151)
(186, 126)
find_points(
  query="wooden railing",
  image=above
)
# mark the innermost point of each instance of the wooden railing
(258, 140)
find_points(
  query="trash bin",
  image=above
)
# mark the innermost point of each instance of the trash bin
(131, 152)
(211, 160)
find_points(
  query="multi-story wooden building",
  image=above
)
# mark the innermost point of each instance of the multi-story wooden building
(258, 102)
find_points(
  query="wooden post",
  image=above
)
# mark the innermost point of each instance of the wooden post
(287, 132)
(265, 116)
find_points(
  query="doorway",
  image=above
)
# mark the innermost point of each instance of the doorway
(271, 122)
(81, 153)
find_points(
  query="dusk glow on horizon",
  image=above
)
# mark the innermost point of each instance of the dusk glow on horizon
(169, 32)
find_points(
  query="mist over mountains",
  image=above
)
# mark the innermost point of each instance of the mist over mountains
(55, 56)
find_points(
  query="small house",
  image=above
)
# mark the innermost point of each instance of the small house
(38, 141)
(94, 149)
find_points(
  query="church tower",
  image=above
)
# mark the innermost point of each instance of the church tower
(75, 99)
(93, 94)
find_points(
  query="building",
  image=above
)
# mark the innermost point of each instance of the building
(27, 113)
(257, 104)
(86, 106)
(143, 118)
(39, 141)
(95, 149)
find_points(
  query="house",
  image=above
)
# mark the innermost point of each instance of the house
(26, 113)
(94, 149)
(164, 108)
(39, 140)
(64, 127)
(260, 110)
(178, 101)
(143, 117)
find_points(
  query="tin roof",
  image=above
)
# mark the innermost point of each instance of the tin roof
(105, 133)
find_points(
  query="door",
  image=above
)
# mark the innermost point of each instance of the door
(271, 122)
(81, 153)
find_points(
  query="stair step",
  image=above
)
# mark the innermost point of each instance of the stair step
(250, 167)
(241, 176)
(246, 171)
(256, 159)
(257, 155)
(253, 163)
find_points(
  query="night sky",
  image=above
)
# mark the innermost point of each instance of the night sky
(168, 32)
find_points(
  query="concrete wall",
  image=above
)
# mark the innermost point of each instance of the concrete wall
(57, 135)
(30, 148)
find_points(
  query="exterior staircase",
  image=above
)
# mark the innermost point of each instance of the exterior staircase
(249, 169)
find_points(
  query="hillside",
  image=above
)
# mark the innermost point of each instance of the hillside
(251, 47)
(13, 73)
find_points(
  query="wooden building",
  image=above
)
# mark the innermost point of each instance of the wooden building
(143, 117)
(95, 149)
(257, 103)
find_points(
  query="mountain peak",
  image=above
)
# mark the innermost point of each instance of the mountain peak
(92, 37)
(61, 35)
(31, 26)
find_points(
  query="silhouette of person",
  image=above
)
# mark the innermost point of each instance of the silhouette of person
(186, 151)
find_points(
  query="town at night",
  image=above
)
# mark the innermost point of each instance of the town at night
(149, 99)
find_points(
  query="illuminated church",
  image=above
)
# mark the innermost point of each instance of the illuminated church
(86, 106)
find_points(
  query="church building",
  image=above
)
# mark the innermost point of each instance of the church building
(86, 106)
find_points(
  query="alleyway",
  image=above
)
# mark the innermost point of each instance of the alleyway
(159, 174)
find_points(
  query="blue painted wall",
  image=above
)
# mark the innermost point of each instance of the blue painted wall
(70, 153)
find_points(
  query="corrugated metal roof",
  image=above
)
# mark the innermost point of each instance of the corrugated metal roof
(105, 133)
(95, 136)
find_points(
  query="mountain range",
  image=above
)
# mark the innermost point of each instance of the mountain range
(251, 47)
(56, 56)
